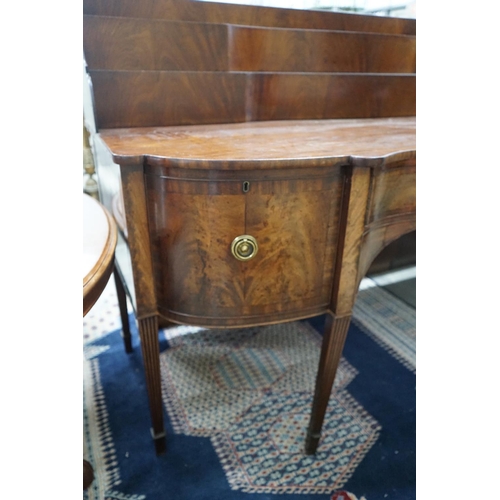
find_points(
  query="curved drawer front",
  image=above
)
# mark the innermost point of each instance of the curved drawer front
(194, 222)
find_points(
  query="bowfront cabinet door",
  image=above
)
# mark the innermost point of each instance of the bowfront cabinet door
(283, 267)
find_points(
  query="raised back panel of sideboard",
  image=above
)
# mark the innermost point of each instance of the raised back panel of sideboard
(212, 12)
(163, 98)
(155, 72)
(117, 43)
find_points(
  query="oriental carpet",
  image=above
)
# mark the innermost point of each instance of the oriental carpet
(237, 404)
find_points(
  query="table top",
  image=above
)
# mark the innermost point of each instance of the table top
(99, 242)
(310, 142)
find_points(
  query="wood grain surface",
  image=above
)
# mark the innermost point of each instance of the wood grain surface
(280, 144)
(163, 98)
(140, 99)
(115, 43)
(97, 219)
(138, 240)
(393, 193)
(194, 223)
(311, 96)
(211, 12)
(287, 50)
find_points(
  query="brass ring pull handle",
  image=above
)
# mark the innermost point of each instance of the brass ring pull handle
(244, 247)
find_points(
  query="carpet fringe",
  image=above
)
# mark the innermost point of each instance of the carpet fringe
(110, 471)
(116, 495)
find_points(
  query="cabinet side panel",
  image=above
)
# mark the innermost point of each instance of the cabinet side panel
(394, 193)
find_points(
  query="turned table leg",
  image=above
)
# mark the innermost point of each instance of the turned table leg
(122, 304)
(148, 330)
(88, 474)
(331, 351)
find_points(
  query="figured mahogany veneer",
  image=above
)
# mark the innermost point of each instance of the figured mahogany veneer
(124, 98)
(156, 45)
(212, 12)
(278, 144)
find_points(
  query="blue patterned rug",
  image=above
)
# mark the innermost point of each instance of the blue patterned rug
(237, 405)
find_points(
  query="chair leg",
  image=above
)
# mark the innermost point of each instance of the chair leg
(122, 304)
(148, 331)
(331, 351)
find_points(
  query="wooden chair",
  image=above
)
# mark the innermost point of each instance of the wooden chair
(262, 169)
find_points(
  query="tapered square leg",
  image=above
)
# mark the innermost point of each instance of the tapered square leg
(122, 304)
(331, 352)
(148, 331)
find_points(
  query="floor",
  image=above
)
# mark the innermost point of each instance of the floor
(401, 283)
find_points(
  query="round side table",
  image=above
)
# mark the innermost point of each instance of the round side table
(99, 243)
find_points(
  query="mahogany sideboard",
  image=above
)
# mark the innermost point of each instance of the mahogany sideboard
(255, 172)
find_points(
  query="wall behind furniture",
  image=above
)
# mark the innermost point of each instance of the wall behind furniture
(393, 8)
